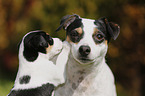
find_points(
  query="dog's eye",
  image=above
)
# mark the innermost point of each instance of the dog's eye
(98, 38)
(74, 33)
(75, 36)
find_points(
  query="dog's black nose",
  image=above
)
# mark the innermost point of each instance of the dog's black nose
(84, 50)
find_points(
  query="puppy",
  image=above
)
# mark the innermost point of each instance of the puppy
(37, 75)
(87, 72)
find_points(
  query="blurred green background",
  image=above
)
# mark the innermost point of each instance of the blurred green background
(126, 55)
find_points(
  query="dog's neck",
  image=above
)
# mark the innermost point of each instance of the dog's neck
(77, 70)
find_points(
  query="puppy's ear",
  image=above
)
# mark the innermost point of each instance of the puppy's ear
(112, 29)
(66, 21)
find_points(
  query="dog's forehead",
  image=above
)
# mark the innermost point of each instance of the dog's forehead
(88, 22)
(88, 25)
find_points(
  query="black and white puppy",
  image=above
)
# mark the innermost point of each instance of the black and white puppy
(37, 75)
(87, 72)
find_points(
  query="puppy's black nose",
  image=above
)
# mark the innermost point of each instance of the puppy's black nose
(84, 50)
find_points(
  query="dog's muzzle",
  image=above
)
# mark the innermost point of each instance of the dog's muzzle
(84, 50)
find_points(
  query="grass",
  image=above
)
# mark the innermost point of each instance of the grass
(5, 87)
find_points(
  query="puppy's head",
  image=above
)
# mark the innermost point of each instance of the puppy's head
(88, 38)
(36, 42)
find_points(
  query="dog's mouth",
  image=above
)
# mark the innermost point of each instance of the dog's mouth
(84, 58)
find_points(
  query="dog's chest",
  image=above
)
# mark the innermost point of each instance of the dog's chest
(81, 82)
(87, 81)
(82, 85)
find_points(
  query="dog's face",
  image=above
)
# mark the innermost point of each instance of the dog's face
(36, 42)
(88, 38)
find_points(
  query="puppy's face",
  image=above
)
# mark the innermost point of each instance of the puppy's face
(88, 38)
(36, 42)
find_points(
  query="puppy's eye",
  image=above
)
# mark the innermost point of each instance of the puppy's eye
(74, 33)
(98, 38)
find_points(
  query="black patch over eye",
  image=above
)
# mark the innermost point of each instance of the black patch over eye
(98, 38)
(74, 33)
(75, 36)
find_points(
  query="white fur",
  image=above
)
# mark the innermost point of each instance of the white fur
(42, 70)
(97, 78)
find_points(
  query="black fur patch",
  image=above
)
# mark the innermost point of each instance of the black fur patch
(44, 90)
(25, 79)
(101, 26)
(36, 42)
(110, 29)
(66, 21)
(75, 24)
(69, 23)
(73, 34)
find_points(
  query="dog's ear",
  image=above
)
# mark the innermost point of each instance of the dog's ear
(66, 21)
(111, 28)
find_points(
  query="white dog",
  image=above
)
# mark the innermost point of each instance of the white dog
(37, 75)
(87, 72)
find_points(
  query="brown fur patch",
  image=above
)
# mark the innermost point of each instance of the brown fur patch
(106, 43)
(95, 31)
(47, 33)
(48, 48)
(68, 39)
(79, 30)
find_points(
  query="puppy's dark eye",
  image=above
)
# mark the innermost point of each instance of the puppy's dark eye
(74, 33)
(98, 38)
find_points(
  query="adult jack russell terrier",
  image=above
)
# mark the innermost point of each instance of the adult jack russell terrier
(87, 72)
(37, 75)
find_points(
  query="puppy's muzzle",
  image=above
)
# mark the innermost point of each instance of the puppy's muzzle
(84, 50)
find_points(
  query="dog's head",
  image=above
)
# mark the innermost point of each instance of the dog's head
(88, 38)
(36, 42)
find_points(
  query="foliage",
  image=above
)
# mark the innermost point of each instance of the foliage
(125, 55)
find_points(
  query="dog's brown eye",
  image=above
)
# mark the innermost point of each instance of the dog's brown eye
(98, 38)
